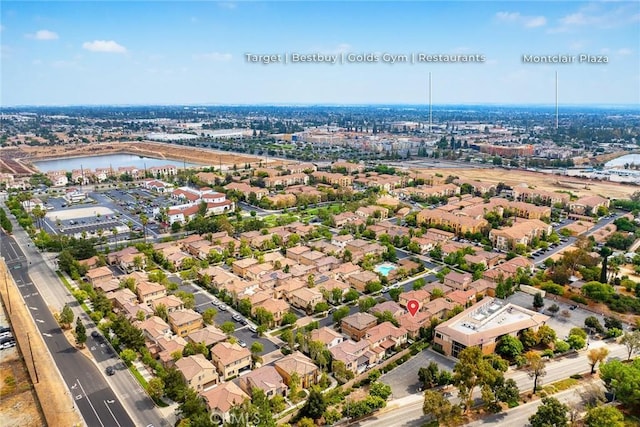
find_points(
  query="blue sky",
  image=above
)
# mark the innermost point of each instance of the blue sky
(165, 52)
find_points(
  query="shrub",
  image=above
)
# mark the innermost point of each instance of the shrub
(561, 346)
(576, 376)
(579, 299)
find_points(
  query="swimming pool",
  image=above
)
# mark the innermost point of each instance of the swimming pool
(384, 269)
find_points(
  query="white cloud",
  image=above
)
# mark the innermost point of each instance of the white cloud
(525, 21)
(43, 35)
(535, 21)
(214, 56)
(108, 46)
(227, 5)
(624, 51)
(598, 16)
(1, 28)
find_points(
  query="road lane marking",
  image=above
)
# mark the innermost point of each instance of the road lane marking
(89, 400)
(39, 321)
(47, 335)
(33, 308)
(109, 409)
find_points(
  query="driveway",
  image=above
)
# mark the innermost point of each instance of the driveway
(403, 380)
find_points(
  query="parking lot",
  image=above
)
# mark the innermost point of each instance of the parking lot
(403, 380)
(560, 324)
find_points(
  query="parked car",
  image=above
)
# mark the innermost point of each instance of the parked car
(222, 307)
(242, 344)
(110, 371)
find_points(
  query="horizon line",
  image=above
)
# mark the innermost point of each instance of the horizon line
(327, 104)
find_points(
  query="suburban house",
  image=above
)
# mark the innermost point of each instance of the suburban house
(300, 364)
(97, 275)
(356, 356)
(209, 336)
(327, 336)
(458, 280)
(224, 397)
(306, 298)
(391, 306)
(265, 378)
(197, 371)
(386, 336)
(277, 307)
(362, 279)
(183, 322)
(149, 291)
(230, 359)
(356, 325)
(420, 295)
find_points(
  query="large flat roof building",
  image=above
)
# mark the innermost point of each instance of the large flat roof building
(483, 324)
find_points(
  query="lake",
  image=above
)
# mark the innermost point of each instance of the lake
(621, 161)
(107, 161)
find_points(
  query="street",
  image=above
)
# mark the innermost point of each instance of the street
(407, 411)
(31, 272)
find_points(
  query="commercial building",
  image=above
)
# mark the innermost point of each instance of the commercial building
(483, 324)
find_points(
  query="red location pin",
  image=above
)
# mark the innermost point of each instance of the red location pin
(413, 306)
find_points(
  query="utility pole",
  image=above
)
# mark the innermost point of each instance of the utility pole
(556, 100)
(430, 105)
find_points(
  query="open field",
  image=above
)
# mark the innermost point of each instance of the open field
(578, 186)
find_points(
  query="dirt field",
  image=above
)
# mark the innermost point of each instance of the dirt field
(57, 406)
(578, 186)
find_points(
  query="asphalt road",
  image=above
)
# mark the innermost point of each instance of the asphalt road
(120, 389)
(204, 300)
(407, 411)
(97, 403)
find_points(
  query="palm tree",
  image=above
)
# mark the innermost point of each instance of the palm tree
(145, 221)
(114, 232)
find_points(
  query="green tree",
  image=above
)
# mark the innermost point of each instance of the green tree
(510, 347)
(538, 301)
(155, 388)
(551, 413)
(366, 303)
(256, 348)
(622, 380)
(381, 390)
(473, 370)
(66, 317)
(340, 314)
(289, 319)
(594, 323)
(81, 333)
(228, 327)
(546, 335)
(208, 315)
(428, 375)
(604, 416)
(535, 367)
(437, 406)
(127, 355)
(631, 340)
(315, 405)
